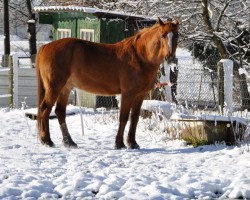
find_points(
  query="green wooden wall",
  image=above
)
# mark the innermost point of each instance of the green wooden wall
(89, 23)
(75, 21)
(112, 30)
(107, 30)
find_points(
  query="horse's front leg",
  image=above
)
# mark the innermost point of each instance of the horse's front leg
(61, 115)
(124, 115)
(135, 113)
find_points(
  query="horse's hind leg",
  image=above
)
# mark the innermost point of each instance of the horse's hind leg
(135, 112)
(60, 111)
(43, 118)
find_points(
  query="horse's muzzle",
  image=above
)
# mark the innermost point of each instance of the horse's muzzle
(171, 59)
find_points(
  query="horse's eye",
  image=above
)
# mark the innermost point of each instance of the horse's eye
(164, 35)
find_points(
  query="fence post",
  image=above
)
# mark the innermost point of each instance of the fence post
(15, 80)
(225, 85)
(220, 87)
(10, 89)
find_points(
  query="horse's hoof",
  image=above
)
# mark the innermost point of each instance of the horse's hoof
(120, 146)
(134, 145)
(48, 143)
(70, 144)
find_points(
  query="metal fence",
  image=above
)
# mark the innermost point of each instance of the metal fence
(197, 84)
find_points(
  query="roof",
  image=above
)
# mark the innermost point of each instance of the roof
(65, 8)
(97, 11)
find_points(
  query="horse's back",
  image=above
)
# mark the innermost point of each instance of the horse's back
(82, 64)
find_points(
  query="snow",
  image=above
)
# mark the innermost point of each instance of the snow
(160, 107)
(66, 8)
(161, 169)
(85, 10)
(31, 21)
(5, 95)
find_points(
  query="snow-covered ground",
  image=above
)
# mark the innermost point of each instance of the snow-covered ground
(161, 169)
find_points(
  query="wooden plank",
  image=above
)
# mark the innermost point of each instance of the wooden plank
(33, 116)
(4, 70)
(5, 95)
(27, 82)
(4, 102)
(27, 72)
(3, 90)
(4, 87)
(3, 82)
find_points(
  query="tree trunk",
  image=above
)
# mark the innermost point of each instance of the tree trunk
(217, 41)
(32, 32)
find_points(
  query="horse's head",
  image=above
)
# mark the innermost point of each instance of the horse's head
(158, 42)
(169, 36)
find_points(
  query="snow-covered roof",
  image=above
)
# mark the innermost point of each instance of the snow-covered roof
(66, 8)
(87, 10)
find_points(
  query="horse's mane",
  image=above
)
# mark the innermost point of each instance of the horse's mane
(148, 29)
(131, 39)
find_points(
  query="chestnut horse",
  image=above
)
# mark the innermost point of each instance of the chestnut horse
(128, 67)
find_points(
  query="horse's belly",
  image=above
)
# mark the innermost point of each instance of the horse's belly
(97, 87)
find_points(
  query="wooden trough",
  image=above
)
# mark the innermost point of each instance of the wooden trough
(199, 130)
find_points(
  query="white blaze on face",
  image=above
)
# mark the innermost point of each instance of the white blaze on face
(170, 43)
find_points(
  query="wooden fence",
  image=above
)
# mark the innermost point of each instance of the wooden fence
(18, 84)
(23, 83)
(4, 86)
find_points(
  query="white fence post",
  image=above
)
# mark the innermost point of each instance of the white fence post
(80, 109)
(166, 79)
(228, 84)
(15, 77)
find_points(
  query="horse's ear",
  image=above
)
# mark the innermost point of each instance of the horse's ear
(160, 21)
(136, 38)
(176, 22)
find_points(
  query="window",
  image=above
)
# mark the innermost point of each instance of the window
(87, 34)
(63, 33)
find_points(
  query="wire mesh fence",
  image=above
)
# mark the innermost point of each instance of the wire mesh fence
(197, 84)
(90, 100)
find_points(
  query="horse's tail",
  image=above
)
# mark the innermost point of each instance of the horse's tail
(40, 86)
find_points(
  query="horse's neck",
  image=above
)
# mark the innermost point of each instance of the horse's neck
(150, 50)
(133, 54)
